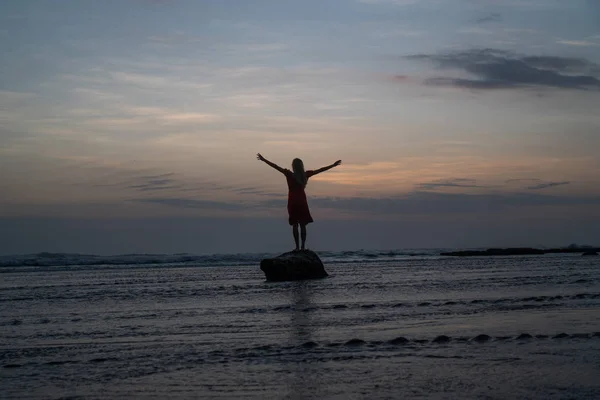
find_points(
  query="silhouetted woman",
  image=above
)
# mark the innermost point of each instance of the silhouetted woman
(297, 205)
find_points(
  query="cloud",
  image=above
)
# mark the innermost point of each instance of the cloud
(498, 69)
(579, 43)
(519, 180)
(476, 30)
(463, 183)
(566, 65)
(493, 17)
(536, 183)
(193, 203)
(156, 184)
(392, 2)
(148, 183)
(436, 203)
(256, 191)
(153, 2)
(546, 185)
(157, 82)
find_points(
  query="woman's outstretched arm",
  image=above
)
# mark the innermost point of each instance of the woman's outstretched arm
(335, 164)
(270, 164)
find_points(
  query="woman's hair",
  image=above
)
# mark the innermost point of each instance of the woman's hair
(299, 173)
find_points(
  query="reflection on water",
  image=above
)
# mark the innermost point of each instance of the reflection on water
(304, 380)
(302, 328)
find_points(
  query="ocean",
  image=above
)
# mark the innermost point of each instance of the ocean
(405, 324)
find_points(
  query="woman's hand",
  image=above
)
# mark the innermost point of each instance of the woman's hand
(260, 157)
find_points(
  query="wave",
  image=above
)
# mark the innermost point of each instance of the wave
(337, 349)
(498, 304)
(73, 259)
(46, 259)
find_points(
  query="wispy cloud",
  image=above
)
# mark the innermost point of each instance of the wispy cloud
(492, 17)
(445, 183)
(154, 183)
(157, 2)
(193, 203)
(519, 180)
(497, 69)
(149, 81)
(256, 191)
(430, 203)
(578, 43)
(564, 65)
(175, 38)
(546, 185)
(476, 30)
(392, 2)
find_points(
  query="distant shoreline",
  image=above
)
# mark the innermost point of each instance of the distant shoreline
(521, 251)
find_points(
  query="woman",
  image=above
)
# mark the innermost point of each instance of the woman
(297, 205)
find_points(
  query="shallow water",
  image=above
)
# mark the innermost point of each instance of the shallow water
(379, 327)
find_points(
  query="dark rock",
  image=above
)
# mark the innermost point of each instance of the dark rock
(354, 342)
(590, 253)
(521, 251)
(293, 266)
(399, 340)
(441, 339)
(524, 336)
(482, 338)
(580, 335)
(560, 336)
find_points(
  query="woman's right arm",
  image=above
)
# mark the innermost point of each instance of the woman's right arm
(270, 164)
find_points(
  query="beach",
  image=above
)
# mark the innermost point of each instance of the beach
(383, 325)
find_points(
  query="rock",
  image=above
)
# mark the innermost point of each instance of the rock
(441, 339)
(560, 336)
(590, 253)
(403, 340)
(521, 251)
(355, 342)
(524, 336)
(482, 338)
(293, 266)
(512, 251)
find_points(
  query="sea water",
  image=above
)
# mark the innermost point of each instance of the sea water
(398, 324)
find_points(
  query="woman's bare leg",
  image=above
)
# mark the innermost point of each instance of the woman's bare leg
(303, 234)
(295, 231)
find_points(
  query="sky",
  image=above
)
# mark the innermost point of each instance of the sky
(133, 125)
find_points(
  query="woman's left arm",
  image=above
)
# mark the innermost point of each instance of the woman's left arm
(327, 168)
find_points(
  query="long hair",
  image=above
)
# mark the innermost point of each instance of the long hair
(299, 173)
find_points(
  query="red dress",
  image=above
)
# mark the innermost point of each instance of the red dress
(297, 204)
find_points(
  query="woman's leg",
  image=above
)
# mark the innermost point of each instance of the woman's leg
(303, 234)
(295, 231)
